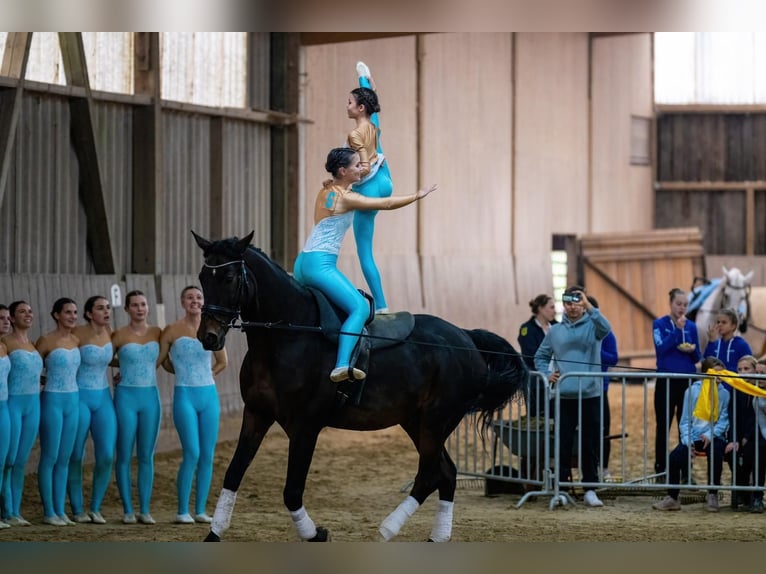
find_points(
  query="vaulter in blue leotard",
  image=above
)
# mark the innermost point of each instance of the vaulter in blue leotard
(97, 415)
(196, 408)
(375, 181)
(23, 408)
(316, 265)
(137, 403)
(5, 420)
(59, 410)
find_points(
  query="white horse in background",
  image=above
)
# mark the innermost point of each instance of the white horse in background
(732, 291)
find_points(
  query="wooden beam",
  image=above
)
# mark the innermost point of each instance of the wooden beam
(147, 158)
(314, 38)
(619, 288)
(285, 164)
(749, 221)
(216, 179)
(708, 185)
(83, 134)
(661, 109)
(15, 58)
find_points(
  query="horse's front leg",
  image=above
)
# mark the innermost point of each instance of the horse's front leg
(302, 445)
(254, 428)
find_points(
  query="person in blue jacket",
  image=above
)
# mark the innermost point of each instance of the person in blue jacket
(676, 345)
(531, 334)
(575, 343)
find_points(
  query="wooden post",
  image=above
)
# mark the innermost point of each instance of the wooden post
(750, 221)
(84, 142)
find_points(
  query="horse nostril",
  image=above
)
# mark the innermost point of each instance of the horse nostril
(209, 341)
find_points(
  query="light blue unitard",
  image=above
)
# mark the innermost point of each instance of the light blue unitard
(137, 402)
(5, 419)
(24, 412)
(196, 411)
(316, 266)
(377, 183)
(59, 412)
(97, 417)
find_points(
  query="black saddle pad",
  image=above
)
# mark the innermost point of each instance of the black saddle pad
(383, 330)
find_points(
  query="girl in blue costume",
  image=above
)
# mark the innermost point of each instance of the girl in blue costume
(97, 415)
(375, 180)
(137, 403)
(316, 265)
(23, 408)
(5, 420)
(59, 410)
(196, 408)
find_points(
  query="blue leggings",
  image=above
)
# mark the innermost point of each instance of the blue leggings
(319, 269)
(58, 429)
(5, 442)
(138, 422)
(196, 413)
(98, 417)
(24, 413)
(364, 221)
(364, 229)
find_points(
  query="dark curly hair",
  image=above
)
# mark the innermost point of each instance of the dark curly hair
(337, 158)
(367, 98)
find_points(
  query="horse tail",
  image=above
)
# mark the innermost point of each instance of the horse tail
(507, 375)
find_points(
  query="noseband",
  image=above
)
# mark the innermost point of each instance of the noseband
(215, 311)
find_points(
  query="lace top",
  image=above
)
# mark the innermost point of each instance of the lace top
(61, 370)
(5, 368)
(26, 367)
(92, 372)
(191, 362)
(138, 364)
(328, 234)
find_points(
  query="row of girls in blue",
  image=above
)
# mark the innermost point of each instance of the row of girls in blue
(677, 347)
(76, 400)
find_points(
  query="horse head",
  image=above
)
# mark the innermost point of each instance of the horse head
(225, 286)
(736, 294)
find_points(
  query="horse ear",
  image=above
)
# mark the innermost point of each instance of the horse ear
(203, 243)
(243, 243)
(725, 271)
(748, 276)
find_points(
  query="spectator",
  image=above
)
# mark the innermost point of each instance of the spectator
(759, 405)
(575, 343)
(702, 431)
(609, 358)
(676, 345)
(531, 334)
(740, 454)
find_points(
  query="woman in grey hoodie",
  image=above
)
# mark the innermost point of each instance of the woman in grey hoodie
(575, 346)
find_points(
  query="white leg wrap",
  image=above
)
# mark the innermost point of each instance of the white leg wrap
(223, 511)
(442, 528)
(303, 523)
(394, 521)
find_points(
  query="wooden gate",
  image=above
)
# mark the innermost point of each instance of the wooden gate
(631, 274)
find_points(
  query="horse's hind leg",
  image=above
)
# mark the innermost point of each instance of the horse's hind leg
(302, 445)
(441, 531)
(254, 428)
(427, 480)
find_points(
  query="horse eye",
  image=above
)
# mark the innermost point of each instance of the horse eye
(229, 277)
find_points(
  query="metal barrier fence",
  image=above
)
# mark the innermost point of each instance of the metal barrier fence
(521, 451)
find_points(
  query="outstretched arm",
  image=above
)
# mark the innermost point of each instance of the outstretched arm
(353, 200)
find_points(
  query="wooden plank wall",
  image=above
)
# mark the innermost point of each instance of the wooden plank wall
(622, 195)
(642, 269)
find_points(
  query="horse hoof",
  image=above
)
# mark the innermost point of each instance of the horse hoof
(212, 537)
(322, 535)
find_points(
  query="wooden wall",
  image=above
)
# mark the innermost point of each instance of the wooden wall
(502, 122)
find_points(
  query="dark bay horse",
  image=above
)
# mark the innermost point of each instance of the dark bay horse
(426, 383)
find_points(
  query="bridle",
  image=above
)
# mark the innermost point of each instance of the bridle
(229, 314)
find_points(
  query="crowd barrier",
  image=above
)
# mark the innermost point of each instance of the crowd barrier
(520, 451)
